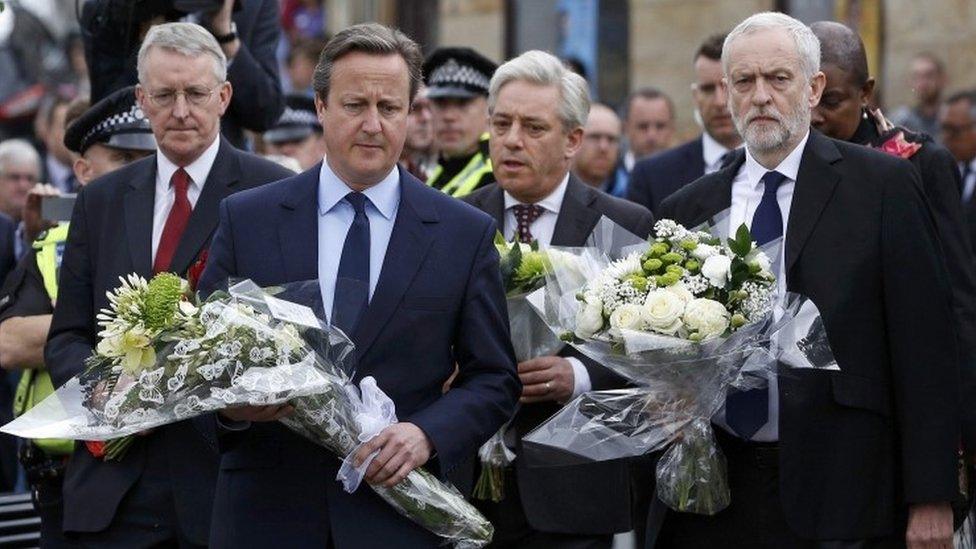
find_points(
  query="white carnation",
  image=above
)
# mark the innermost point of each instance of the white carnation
(704, 251)
(681, 291)
(707, 317)
(758, 258)
(663, 309)
(716, 270)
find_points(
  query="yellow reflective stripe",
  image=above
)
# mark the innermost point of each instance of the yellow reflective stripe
(434, 175)
(47, 258)
(463, 180)
(473, 180)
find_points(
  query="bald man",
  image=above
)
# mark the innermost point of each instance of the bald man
(596, 162)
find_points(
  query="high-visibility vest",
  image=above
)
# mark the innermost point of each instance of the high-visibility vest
(35, 384)
(468, 178)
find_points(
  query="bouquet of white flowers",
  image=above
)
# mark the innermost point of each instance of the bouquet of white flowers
(687, 316)
(164, 358)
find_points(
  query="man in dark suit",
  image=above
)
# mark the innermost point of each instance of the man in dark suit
(408, 272)
(536, 198)
(154, 215)
(248, 37)
(660, 175)
(865, 456)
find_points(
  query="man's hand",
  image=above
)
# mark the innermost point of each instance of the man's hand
(546, 378)
(220, 22)
(33, 223)
(403, 447)
(929, 526)
(272, 412)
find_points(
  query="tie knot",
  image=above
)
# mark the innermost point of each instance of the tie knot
(772, 181)
(358, 202)
(527, 213)
(180, 181)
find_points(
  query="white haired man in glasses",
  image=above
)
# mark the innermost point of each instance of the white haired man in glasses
(153, 215)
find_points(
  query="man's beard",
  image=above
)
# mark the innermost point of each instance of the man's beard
(769, 139)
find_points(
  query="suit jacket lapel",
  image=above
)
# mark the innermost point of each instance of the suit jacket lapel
(138, 205)
(696, 160)
(298, 231)
(493, 204)
(409, 243)
(576, 219)
(224, 175)
(713, 203)
(815, 183)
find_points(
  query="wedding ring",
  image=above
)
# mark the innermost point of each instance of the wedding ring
(548, 386)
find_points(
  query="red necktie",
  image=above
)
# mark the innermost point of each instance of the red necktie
(178, 217)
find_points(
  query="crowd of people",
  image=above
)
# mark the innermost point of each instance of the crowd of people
(244, 138)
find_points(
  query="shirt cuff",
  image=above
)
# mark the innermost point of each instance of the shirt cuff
(581, 377)
(230, 425)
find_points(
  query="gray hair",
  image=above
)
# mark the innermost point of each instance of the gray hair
(371, 38)
(187, 39)
(544, 69)
(807, 43)
(18, 151)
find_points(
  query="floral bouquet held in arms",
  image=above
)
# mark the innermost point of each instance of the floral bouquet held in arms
(523, 269)
(163, 359)
(688, 317)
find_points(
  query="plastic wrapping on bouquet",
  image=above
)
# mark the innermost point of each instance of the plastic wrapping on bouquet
(678, 384)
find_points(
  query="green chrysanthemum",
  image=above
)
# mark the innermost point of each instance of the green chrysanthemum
(162, 300)
(533, 266)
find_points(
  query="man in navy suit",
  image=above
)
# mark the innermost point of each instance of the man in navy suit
(153, 215)
(655, 178)
(408, 272)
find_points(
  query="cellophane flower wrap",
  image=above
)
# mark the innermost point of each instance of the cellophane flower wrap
(523, 270)
(686, 316)
(164, 358)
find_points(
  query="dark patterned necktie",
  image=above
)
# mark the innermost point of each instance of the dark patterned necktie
(352, 283)
(525, 215)
(747, 411)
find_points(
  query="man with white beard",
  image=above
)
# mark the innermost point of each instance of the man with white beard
(864, 456)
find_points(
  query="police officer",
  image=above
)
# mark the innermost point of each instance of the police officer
(457, 86)
(110, 134)
(298, 133)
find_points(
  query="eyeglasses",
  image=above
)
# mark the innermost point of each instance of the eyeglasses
(197, 96)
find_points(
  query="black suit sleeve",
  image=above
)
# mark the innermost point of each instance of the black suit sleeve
(72, 335)
(257, 101)
(639, 187)
(942, 183)
(921, 343)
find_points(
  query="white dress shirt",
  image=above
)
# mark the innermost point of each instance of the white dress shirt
(747, 192)
(542, 229)
(712, 153)
(165, 195)
(968, 182)
(335, 218)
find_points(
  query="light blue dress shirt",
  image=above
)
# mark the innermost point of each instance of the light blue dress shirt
(335, 218)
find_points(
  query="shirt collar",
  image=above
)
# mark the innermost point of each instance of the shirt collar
(712, 150)
(198, 170)
(551, 203)
(790, 166)
(385, 195)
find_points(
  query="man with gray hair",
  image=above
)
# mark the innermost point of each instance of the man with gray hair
(864, 456)
(409, 273)
(20, 169)
(537, 111)
(153, 215)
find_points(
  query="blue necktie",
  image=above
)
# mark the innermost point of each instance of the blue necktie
(747, 411)
(352, 283)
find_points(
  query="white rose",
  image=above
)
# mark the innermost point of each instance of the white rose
(662, 309)
(628, 316)
(589, 318)
(681, 291)
(707, 317)
(704, 251)
(716, 270)
(758, 258)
